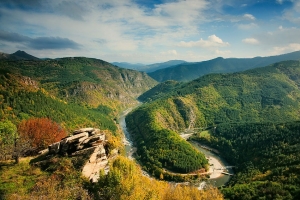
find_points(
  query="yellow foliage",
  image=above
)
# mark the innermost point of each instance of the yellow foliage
(127, 183)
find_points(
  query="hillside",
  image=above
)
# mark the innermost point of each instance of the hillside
(269, 94)
(84, 81)
(266, 156)
(159, 90)
(191, 71)
(71, 91)
(22, 98)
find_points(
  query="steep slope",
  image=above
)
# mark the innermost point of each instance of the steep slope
(269, 94)
(84, 81)
(159, 90)
(190, 71)
(22, 98)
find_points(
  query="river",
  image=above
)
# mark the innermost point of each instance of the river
(222, 179)
(218, 182)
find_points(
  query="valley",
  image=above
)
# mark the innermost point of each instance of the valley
(250, 118)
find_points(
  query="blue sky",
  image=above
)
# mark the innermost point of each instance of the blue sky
(150, 31)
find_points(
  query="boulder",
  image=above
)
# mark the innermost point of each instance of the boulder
(54, 148)
(85, 141)
(83, 130)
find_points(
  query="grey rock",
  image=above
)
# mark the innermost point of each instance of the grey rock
(85, 141)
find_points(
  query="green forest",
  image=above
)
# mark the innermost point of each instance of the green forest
(253, 118)
(264, 94)
(160, 148)
(255, 114)
(18, 103)
(266, 156)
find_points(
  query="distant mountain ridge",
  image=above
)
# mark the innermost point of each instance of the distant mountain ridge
(149, 68)
(127, 65)
(18, 55)
(191, 71)
(163, 65)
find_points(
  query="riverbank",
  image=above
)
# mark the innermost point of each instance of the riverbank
(215, 168)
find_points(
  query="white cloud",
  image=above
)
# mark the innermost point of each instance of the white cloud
(130, 30)
(222, 53)
(286, 49)
(249, 16)
(293, 13)
(247, 26)
(279, 37)
(212, 41)
(170, 52)
(250, 41)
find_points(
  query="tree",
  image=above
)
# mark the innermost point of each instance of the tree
(8, 136)
(40, 132)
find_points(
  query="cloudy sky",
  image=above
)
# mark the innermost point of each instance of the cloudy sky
(149, 31)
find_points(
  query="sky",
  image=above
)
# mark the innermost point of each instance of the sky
(150, 31)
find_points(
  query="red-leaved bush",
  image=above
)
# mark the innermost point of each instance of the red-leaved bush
(40, 132)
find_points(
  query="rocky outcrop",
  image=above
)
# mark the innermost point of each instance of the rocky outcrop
(28, 81)
(85, 141)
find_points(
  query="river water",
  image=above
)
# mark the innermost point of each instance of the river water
(126, 140)
(218, 182)
(221, 180)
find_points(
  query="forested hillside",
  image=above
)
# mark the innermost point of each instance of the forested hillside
(269, 94)
(159, 91)
(38, 97)
(84, 81)
(266, 156)
(264, 94)
(21, 99)
(191, 71)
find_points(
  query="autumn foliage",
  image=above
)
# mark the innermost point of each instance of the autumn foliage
(40, 132)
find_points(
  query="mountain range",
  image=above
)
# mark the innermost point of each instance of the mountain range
(189, 71)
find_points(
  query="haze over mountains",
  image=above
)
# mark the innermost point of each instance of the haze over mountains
(151, 67)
